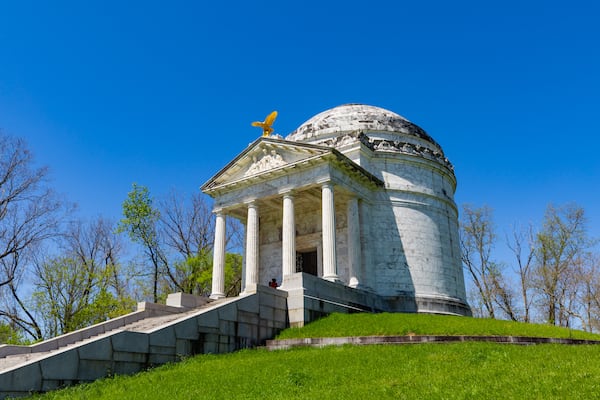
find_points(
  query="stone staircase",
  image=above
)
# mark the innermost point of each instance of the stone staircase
(153, 335)
(144, 325)
(186, 325)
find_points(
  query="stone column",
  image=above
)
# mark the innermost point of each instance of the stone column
(218, 276)
(368, 277)
(328, 213)
(252, 248)
(243, 277)
(288, 246)
(354, 256)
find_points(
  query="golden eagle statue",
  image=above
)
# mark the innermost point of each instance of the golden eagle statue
(267, 123)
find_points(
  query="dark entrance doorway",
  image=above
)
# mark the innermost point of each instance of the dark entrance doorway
(306, 261)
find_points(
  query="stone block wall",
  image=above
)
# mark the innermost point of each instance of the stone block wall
(310, 298)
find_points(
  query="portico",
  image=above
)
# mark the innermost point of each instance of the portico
(307, 206)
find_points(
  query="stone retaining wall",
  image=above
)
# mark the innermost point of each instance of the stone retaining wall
(415, 339)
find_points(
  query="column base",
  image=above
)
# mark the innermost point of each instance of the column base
(332, 278)
(354, 283)
(288, 281)
(249, 289)
(217, 296)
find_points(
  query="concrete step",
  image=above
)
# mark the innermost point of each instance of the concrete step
(14, 360)
(143, 325)
(147, 324)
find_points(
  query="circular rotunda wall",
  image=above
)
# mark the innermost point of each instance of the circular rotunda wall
(410, 250)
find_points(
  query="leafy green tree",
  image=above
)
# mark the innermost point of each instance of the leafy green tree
(177, 238)
(193, 272)
(82, 283)
(70, 295)
(8, 335)
(104, 306)
(140, 223)
(233, 275)
(198, 270)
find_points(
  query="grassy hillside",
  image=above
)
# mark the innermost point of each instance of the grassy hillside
(339, 325)
(424, 371)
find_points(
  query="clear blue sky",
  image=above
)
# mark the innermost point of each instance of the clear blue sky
(107, 93)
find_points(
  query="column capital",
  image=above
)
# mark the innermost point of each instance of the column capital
(290, 193)
(325, 181)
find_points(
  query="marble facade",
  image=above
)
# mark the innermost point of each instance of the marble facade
(357, 196)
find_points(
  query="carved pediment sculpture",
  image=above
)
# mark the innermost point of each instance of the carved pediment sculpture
(266, 162)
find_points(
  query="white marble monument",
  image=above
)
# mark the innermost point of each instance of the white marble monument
(358, 196)
(353, 211)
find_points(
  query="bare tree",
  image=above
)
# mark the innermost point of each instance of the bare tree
(477, 241)
(561, 244)
(188, 227)
(97, 245)
(522, 246)
(30, 213)
(590, 293)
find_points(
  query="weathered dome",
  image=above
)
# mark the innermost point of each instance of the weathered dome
(356, 118)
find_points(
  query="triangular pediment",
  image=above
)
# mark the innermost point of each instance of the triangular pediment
(265, 157)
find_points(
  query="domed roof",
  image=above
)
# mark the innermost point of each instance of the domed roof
(356, 117)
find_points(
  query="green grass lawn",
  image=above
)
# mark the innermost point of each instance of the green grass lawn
(416, 371)
(387, 324)
(426, 371)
